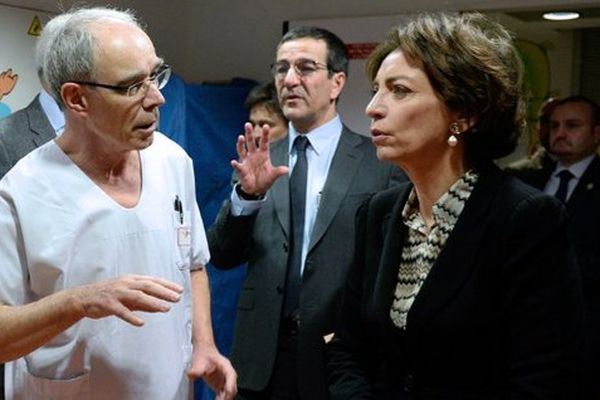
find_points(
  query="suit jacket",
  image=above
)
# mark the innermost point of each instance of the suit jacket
(262, 240)
(499, 316)
(583, 208)
(22, 132)
(584, 224)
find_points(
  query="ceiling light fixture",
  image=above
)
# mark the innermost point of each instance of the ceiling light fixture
(561, 15)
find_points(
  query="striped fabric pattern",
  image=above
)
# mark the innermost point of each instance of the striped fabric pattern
(423, 245)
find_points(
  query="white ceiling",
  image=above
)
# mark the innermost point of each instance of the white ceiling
(496, 5)
(482, 5)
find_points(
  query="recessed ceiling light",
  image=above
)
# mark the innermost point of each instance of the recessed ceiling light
(561, 15)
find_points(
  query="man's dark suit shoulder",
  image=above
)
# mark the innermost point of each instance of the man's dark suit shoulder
(22, 132)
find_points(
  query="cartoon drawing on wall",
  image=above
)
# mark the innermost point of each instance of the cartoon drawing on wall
(8, 81)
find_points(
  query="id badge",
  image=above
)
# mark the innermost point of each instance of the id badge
(184, 236)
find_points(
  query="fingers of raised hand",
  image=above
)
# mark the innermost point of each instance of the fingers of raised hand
(264, 138)
(240, 146)
(249, 137)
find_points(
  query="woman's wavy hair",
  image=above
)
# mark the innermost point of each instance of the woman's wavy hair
(474, 68)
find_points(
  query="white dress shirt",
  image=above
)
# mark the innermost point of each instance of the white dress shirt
(576, 169)
(53, 112)
(319, 154)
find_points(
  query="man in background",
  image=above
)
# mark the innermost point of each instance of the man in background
(41, 121)
(295, 231)
(264, 109)
(110, 200)
(575, 179)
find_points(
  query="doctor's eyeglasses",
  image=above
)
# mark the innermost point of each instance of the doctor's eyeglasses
(159, 78)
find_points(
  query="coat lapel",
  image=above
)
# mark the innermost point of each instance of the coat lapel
(589, 181)
(39, 124)
(456, 260)
(345, 162)
(280, 190)
(394, 232)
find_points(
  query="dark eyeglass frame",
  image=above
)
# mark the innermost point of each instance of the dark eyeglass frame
(278, 72)
(158, 78)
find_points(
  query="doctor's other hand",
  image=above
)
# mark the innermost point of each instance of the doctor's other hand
(254, 169)
(122, 296)
(215, 370)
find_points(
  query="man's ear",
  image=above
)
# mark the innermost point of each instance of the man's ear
(73, 97)
(339, 80)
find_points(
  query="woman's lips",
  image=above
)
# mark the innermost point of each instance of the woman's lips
(377, 136)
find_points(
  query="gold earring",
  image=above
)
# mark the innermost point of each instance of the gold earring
(455, 130)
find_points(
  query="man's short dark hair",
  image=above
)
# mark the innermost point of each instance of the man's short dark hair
(337, 56)
(582, 99)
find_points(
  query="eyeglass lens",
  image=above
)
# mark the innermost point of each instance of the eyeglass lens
(301, 67)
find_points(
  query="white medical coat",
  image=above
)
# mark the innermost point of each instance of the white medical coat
(60, 230)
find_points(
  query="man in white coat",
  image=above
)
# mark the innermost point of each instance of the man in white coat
(108, 208)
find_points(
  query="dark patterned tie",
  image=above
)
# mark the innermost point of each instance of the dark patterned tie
(297, 207)
(563, 187)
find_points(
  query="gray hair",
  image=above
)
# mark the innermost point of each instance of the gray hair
(68, 54)
(44, 41)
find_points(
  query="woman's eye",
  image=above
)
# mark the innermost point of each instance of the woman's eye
(400, 90)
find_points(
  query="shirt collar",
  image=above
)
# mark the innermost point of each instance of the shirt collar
(321, 137)
(447, 208)
(577, 169)
(52, 111)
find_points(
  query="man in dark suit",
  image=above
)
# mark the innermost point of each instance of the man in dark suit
(41, 120)
(575, 179)
(298, 251)
(27, 129)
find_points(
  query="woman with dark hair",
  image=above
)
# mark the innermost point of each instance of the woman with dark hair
(462, 286)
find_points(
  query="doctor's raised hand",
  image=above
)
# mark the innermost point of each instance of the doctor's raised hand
(254, 169)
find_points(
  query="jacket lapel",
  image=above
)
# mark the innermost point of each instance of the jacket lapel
(39, 124)
(456, 260)
(345, 162)
(280, 190)
(589, 180)
(394, 232)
